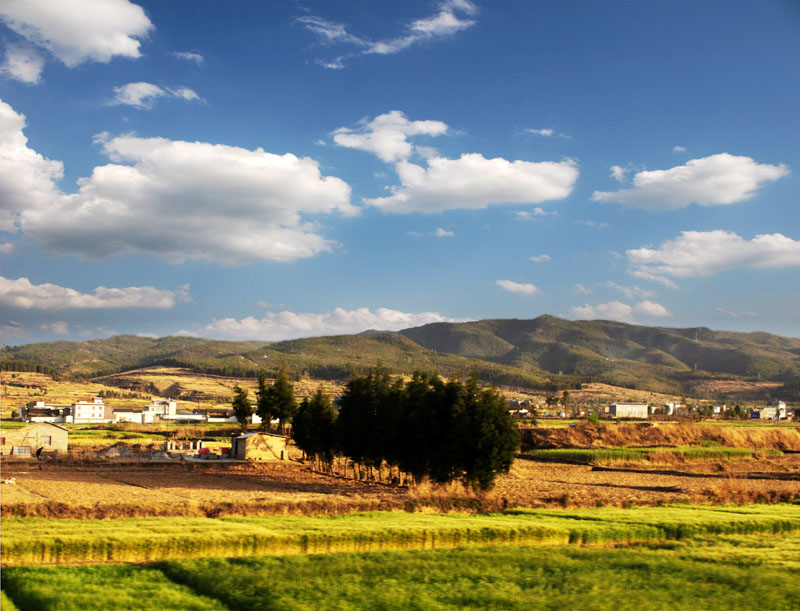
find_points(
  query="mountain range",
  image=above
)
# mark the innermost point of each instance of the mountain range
(543, 353)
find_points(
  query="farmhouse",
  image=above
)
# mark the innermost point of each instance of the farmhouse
(628, 410)
(25, 441)
(39, 411)
(94, 411)
(260, 446)
(139, 416)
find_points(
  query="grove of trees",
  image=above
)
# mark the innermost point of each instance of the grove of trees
(425, 428)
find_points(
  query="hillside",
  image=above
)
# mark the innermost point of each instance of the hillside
(622, 354)
(539, 353)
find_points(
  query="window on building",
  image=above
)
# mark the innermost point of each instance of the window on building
(21, 450)
(47, 440)
(2, 441)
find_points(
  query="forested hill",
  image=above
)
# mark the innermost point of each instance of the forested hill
(614, 352)
(534, 353)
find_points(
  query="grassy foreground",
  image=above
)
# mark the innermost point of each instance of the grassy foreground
(652, 454)
(43, 541)
(728, 572)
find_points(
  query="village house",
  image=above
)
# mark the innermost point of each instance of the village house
(629, 410)
(91, 411)
(27, 440)
(260, 446)
(39, 411)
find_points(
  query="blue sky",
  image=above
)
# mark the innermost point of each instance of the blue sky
(268, 170)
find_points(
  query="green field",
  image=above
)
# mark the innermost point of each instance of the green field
(729, 572)
(61, 541)
(613, 454)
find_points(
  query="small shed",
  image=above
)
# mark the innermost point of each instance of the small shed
(260, 446)
(27, 440)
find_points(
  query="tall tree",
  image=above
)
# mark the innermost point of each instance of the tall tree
(313, 427)
(280, 399)
(242, 408)
(263, 406)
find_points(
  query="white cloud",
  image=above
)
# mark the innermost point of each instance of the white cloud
(715, 180)
(387, 135)
(472, 182)
(188, 56)
(592, 224)
(697, 254)
(23, 63)
(26, 178)
(631, 291)
(22, 294)
(6, 247)
(276, 326)
(539, 258)
(58, 327)
(621, 312)
(443, 233)
(452, 17)
(142, 95)
(11, 330)
(520, 288)
(77, 31)
(582, 290)
(170, 199)
(547, 132)
(678, 149)
(618, 172)
(745, 314)
(523, 215)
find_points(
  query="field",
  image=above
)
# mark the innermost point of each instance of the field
(682, 516)
(670, 557)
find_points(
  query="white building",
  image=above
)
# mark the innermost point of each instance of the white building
(165, 409)
(94, 411)
(629, 410)
(139, 416)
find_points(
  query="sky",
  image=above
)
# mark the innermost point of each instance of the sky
(273, 170)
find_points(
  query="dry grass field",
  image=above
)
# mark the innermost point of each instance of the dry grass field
(116, 489)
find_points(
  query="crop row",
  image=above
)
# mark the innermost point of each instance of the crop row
(719, 572)
(45, 541)
(652, 454)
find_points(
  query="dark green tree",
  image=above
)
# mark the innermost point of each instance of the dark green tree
(242, 408)
(263, 405)
(313, 428)
(280, 399)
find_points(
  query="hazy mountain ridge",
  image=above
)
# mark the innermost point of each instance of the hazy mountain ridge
(534, 353)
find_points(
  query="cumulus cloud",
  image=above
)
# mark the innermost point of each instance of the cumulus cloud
(678, 149)
(58, 327)
(170, 199)
(387, 135)
(472, 182)
(715, 180)
(618, 173)
(539, 258)
(524, 215)
(443, 233)
(77, 31)
(23, 63)
(6, 247)
(697, 254)
(452, 17)
(621, 312)
(27, 180)
(24, 295)
(547, 132)
(188, 56)
(277, 326)
(582, 290)
(142, 95)
(520, 288)
(631, 292)
(11, 330)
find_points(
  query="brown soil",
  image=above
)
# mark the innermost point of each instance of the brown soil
(141, 489)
